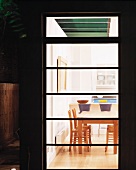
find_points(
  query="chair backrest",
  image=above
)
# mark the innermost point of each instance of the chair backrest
(71, 122)
(75, 116)
(110, 128)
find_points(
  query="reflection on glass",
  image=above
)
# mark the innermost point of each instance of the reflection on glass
(87, 160)
(82, 26)
(83, 55)
(82, 80)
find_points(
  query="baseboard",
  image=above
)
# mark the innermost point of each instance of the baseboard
(60, 139)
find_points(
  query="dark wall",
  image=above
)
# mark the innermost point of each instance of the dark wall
(30, 78)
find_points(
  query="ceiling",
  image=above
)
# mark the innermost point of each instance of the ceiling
(85, 27)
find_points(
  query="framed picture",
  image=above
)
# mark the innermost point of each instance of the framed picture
(61, 74)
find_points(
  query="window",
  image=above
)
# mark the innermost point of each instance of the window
(88, 48)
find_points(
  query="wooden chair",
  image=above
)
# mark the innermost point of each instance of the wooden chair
(74, 133)
(109, 135)
(88, 127)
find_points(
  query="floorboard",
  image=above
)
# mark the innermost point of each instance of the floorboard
(96, 158)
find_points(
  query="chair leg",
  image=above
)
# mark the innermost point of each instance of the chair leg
(107, 136)
(85, 137)
(70, 142)
(90, 141)
(75, 138)
(86, 140)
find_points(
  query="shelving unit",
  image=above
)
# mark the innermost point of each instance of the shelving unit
(106, 79)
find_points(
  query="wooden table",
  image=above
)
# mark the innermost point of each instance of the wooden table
(98, 114)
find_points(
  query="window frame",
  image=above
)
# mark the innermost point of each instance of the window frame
(81, 40)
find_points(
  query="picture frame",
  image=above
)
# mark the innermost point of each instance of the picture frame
(61, 74)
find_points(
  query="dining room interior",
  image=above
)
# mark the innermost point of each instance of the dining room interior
(85, 78)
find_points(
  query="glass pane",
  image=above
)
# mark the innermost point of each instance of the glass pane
(59, 131)
(82, 26)
(82, 80)
(102, 106)
(94, 159)
(83, 55)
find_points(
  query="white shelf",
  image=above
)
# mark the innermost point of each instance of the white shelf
(106, 86)
(106, 79)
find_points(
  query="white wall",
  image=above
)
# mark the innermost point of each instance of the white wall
(104, 54)
(85, 75)
(83, 80)
(52, 53)
(114, 27)
(75, 62)
(53, 29)
(82, 55)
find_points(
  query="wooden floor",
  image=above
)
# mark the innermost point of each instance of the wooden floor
(96, 158)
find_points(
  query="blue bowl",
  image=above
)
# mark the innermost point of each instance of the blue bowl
(105, 107)
(84, 107)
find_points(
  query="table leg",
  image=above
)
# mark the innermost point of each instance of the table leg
(80, 135)
(115, 135)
